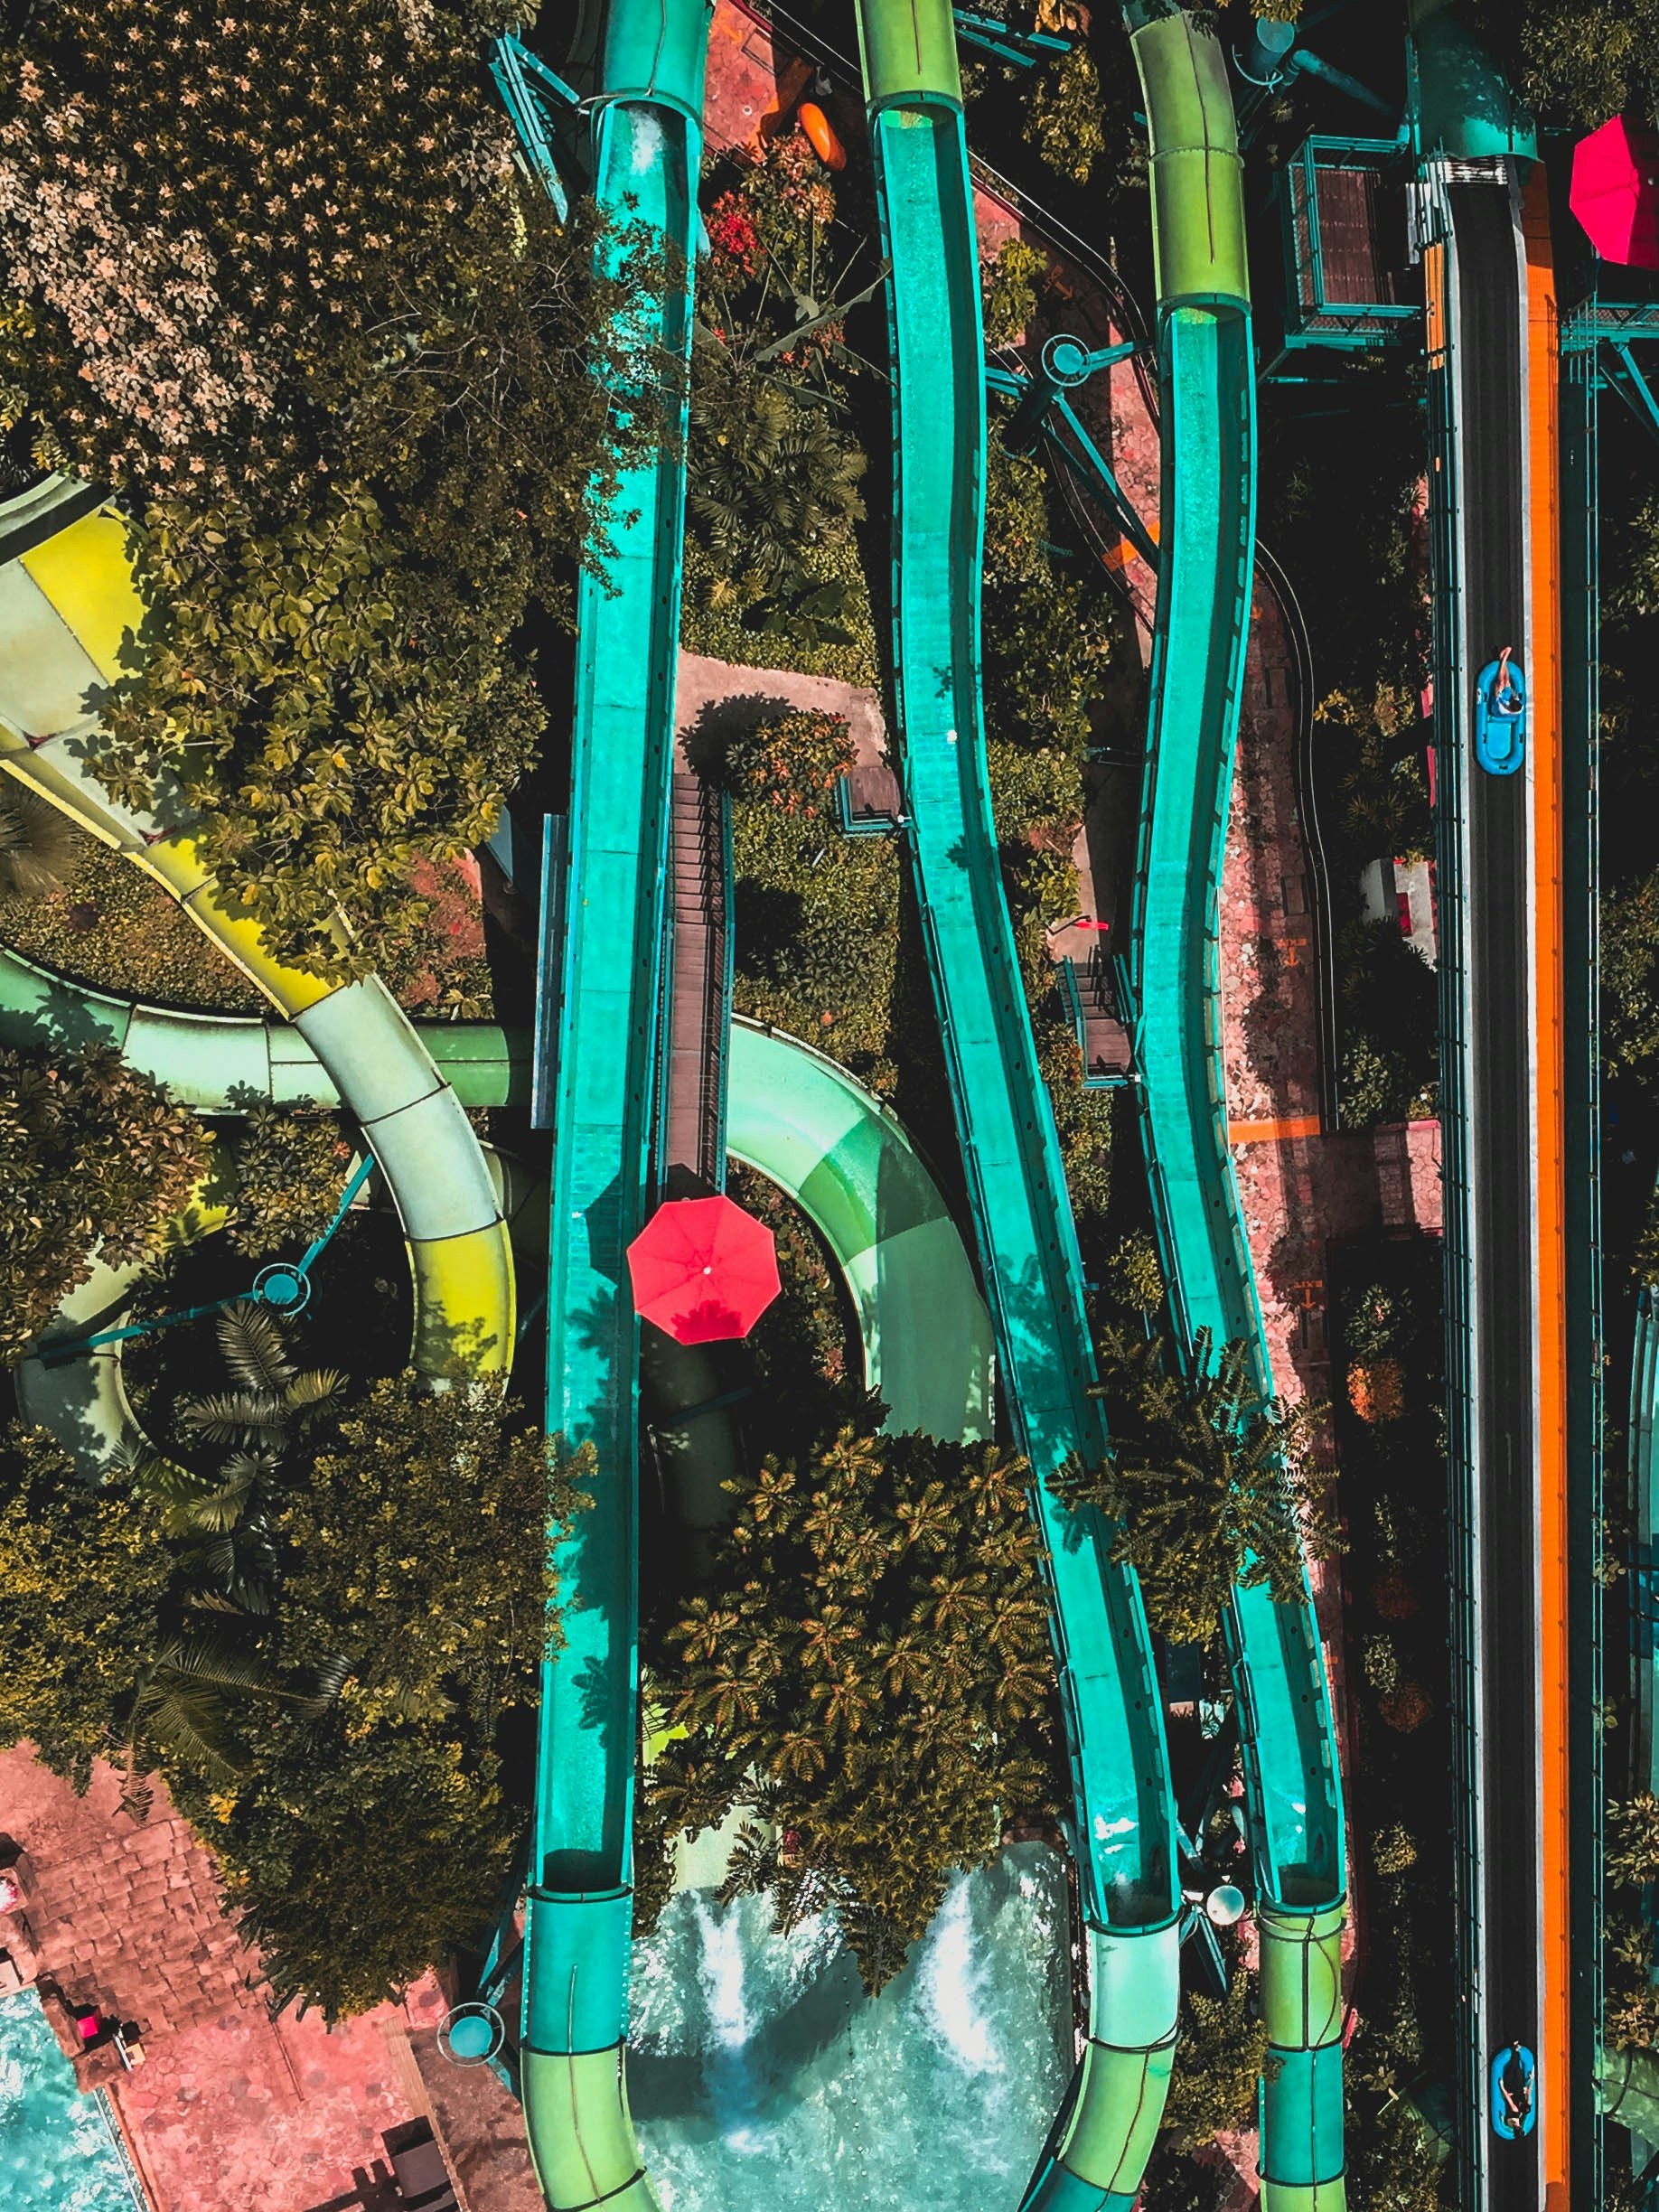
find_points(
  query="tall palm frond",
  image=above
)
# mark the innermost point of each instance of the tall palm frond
(236, 1417)
(251, 1337)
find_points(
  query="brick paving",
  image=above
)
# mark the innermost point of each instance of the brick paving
(229, 2111)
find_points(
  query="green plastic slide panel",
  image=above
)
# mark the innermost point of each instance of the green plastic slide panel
(1301, 2118)
(1197, 171)
(805, 1123)
(581, 2135)
(908, 49)
(1301, 1975)
(575, 2004)
(1114, 2122)
(49, 684)
(657, 52)
(1058, 2189)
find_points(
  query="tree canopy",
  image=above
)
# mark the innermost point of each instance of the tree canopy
(870, 1681)
(92, 1154)
(352, 386)
(319, 1653)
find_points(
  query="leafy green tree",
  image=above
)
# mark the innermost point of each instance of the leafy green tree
(1221, 2053)
(353, 388)
(415, 1552)
(92, 1154)
(871, 1681)
(1578, 62)
(85, 1570)
(328, 1716)
(1208, 1485)
(790, 762)
(291, 1171)
(1011, 283)
(1063, 117)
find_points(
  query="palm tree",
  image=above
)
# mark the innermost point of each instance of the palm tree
(271, 1399)
(37, 846)
(1208, 1484)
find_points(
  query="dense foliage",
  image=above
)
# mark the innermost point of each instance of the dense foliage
(340, 378)
(1578, 62)
(1209, 1485)
(291, 1171)
(773, 463)
(1223, 2056)
(870, 1682)
(92, 1154)
(319, 1654)
(791, 762)
(1391, 1440)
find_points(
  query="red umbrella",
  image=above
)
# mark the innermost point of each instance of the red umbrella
(1614, 192)
(703, 1269)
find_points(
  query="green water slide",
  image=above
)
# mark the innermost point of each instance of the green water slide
(1016, 1186)
(1206, 550)
(647, 140)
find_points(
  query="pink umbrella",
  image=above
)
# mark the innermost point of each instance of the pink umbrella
(702, 1268)
(1614, 192)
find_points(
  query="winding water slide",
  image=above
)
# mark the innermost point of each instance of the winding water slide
(1123, 1820)
(70, 628)
(647, 144)
(1206, 547)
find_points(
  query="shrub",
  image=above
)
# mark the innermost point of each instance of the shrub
(1010, 285)
(771, 480)
(92, 1154)
(1224, 2053)
(290, 1172)
(1063, 120)
(1393, 1850)
(1376, 1390)
(791, 763)
(1134, 1276)
(1406, 1707)
(1382, 1665)
(1393, 1595)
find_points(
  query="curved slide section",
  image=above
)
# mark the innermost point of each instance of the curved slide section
(647, 147)
(70, 628)
(795, 1115)
(1207, 538)
(1017, 1184)
(804, 1122)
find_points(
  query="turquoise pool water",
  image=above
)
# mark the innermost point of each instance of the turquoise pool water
(57, 2153)
(763, 2079)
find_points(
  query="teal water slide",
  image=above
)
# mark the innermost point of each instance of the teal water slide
(1205, 559)
(1017, 1184)
(647, 145)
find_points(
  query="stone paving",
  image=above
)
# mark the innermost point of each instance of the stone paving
(227, 2111)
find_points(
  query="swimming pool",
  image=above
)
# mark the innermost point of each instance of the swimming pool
(763, 2079)
(58, 2152)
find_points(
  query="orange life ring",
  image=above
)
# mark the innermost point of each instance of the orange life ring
(820, 135)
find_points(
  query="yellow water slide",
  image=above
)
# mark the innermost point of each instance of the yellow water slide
(71, 624)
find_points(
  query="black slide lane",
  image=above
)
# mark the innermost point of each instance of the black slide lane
(1491, 415)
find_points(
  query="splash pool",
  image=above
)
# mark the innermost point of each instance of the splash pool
(57, 2150)
(763, 2079)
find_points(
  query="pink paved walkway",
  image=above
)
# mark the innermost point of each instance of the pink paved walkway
(230, 2112)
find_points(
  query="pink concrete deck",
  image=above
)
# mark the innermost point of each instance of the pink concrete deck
(229, 2111)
